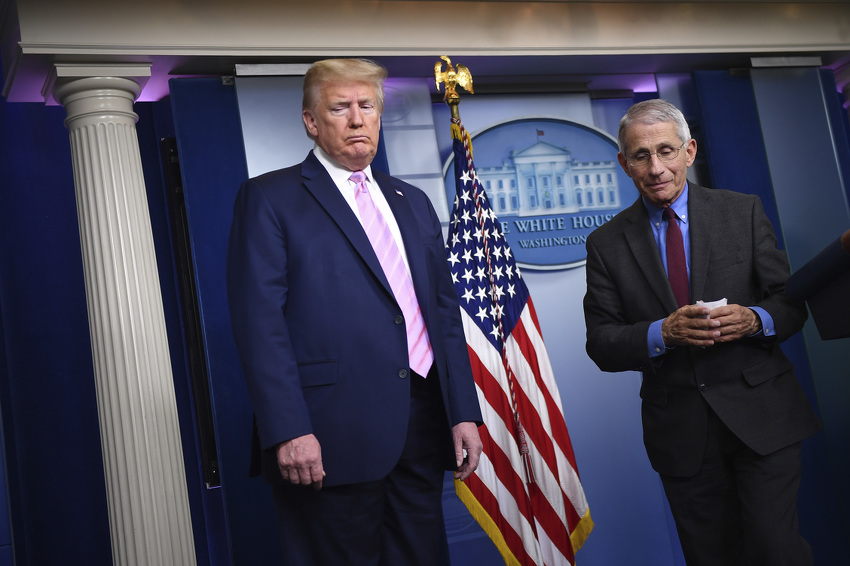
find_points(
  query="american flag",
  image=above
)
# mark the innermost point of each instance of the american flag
(526, 493)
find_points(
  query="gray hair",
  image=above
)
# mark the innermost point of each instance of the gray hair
(652, 112)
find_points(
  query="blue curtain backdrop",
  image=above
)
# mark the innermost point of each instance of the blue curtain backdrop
(53, 459)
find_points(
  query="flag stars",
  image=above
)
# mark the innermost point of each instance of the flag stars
(499, 291)
(496, 311)
(483, 268)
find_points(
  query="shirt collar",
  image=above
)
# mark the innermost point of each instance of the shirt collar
(338, 173)
(679, 206)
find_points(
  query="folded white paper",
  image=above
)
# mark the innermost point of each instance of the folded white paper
(712, 304)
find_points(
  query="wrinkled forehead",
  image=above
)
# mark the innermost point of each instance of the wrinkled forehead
(347, 92)
(650, 136)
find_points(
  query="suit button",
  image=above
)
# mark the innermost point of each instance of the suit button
(703, 387)
(402, 373)
(399, 319)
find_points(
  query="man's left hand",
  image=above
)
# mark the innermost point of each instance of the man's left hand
(466, 437)
(736, 322)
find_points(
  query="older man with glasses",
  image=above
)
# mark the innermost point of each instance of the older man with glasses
(688, 287)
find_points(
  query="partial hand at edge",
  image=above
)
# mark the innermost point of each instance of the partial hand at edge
(300, 461)
(466, 437)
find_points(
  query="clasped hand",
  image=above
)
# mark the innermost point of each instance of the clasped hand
(694, 325)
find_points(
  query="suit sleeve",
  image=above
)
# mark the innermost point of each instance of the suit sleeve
(257, 294)
(772, 272)
(614, 342)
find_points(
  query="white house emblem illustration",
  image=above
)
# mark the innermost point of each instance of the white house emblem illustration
(545, 179)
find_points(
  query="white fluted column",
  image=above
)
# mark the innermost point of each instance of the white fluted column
(145, 478)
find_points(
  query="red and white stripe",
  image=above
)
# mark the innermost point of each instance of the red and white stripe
(535, 519)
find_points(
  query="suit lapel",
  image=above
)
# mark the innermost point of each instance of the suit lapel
(322, 187)
(642, 244)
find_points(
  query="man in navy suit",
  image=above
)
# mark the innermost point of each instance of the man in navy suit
(723, 415)
(353, 433)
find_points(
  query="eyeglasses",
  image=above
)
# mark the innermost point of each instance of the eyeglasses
(643, 158)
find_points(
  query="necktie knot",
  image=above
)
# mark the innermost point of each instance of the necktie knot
(358, 177)
(669, 214)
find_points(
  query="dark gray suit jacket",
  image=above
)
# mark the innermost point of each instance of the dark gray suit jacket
(749, 384)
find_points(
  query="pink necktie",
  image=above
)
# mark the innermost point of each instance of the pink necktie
(418, 346)
(677, 268)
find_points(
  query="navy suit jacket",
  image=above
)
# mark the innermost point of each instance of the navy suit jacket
(749, 383)
(321, 338)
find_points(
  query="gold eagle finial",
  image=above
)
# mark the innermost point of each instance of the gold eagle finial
(453, 78)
